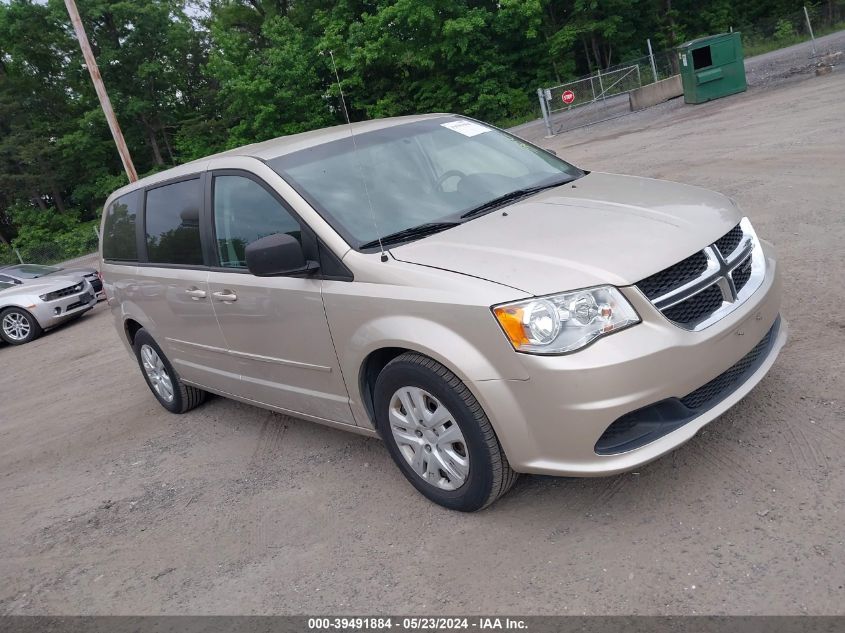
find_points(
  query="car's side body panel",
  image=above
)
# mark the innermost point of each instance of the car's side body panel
(442, 315)
(276, 331)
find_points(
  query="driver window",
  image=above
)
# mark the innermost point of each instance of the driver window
(243, 212)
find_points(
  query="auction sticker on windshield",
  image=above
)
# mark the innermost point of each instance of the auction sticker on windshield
(467, 128)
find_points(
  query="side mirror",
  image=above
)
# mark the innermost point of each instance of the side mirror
(278, 255)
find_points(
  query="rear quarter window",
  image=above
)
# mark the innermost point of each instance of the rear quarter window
(119, 241)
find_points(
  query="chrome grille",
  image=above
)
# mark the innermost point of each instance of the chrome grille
(729, 241)
(711, 283)
(696, 308)
(674, 277)
(742, 274)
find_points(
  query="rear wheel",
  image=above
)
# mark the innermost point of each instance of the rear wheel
(17, 326)
(162, 379)
(438, 434)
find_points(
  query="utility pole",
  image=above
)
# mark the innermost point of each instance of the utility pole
(651, 58)
(94, 70)
(810, 28)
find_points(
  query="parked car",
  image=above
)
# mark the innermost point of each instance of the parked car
(28, 309)
(483, 306)
(25, 273)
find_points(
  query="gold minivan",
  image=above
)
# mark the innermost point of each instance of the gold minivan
(484, 307)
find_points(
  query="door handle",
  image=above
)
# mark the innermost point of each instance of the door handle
(195, 293)
(227, 296)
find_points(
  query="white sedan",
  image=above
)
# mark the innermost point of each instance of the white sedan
(27, 273)
(28, 309)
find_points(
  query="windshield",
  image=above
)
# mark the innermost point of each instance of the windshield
(414, 174)
(30, 271)
(5, 284)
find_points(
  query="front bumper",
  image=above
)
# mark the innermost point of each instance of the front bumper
(551, 423)
(52, 313)
(96, 286)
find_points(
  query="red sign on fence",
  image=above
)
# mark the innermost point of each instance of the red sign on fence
(568, 96)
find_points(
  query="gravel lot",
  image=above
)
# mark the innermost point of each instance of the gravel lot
(111, 505)
(762, 71)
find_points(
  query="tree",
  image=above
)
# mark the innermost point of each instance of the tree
(186, 82)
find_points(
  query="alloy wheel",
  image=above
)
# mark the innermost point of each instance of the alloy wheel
(16, 326)
(157, 373)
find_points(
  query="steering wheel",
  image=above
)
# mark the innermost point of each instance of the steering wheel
(446, 175)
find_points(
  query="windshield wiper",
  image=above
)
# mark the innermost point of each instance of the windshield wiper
(511, 197)
(429, 228)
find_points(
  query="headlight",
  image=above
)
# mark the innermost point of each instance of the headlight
(564, 322)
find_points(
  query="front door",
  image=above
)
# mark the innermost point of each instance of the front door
(275, 327)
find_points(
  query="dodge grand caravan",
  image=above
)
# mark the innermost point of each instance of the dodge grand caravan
(484, 307)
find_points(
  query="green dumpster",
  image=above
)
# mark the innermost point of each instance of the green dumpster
(712, 67)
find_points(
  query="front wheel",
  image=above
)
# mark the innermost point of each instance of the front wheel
(438, 434)
(17, 326)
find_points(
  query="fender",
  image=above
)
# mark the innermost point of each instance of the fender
(427, 337)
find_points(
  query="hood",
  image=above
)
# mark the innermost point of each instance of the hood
(600, 229)
(77, 271)
(43, 285)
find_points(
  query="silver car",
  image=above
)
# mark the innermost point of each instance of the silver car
(25, 273)
(28, 309)
(483, 306)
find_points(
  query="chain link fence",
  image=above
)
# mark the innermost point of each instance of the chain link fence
(603, 95)
(48, 252)
(803, 26)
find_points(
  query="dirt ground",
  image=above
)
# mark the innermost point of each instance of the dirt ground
(110, 505)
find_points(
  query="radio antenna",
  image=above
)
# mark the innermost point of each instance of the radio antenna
(358, 159)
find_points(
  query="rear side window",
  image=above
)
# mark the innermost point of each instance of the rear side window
(119, 230)
(243, 212)
(172, 215)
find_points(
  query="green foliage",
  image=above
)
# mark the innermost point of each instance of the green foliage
(50, 237)
(188, 80)
(784, 30)
(7, 255)
(267, 91)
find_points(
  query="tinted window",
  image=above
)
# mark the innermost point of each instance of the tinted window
(119, 230)
(243, 212)
(173, 223)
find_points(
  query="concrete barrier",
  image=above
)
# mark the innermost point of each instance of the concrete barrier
(655, 93)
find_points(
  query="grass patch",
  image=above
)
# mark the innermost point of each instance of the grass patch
(754, 45)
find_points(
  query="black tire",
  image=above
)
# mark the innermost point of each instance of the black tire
(34, 328)
(490, 476)
(185, 397)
